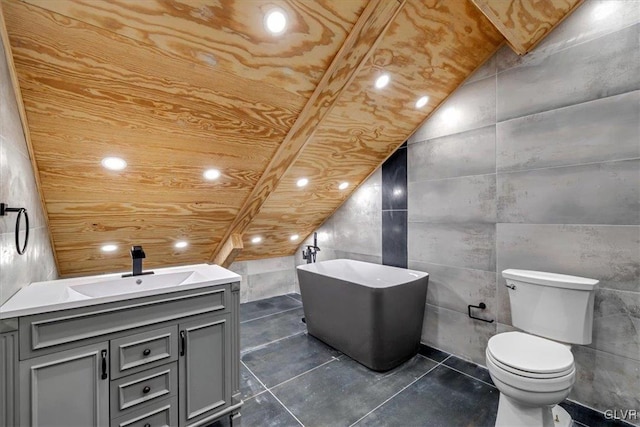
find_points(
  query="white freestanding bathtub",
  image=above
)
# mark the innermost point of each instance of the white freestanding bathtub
(370, 312)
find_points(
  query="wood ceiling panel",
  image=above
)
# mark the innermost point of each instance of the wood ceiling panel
(366, 34)
(229, 34)
(157, 148)
(524, 23)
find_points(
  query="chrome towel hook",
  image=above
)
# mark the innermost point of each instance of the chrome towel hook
(4, 209)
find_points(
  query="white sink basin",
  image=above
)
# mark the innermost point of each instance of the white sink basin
(63, 294)
(127, 285)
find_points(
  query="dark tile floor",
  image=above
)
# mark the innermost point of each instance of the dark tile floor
(290, 379)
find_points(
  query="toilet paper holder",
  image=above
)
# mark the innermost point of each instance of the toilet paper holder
(481, 306)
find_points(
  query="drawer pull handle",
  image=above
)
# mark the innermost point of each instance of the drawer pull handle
(146, 390)
(103, 356)
(146, 352)
(183, 342)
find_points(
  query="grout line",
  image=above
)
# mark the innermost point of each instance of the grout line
(400, 391)
(272, 314)
(470, 376)
(421, 181)
(572, 165)
(287, 409)
(248, 350)
(295, 299)
(271, 393)
(333, 359)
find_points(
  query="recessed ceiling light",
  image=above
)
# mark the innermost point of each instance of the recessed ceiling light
(256, 239)
(109, 248)
(302, 182)
(275, 21)
(181, 244)
(294, 237)
(343, 186)
(382, 81)
(114, 163)
(422, 102)
(211, 174)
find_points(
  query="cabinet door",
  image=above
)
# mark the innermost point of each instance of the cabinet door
(204, 368)
(67, 389)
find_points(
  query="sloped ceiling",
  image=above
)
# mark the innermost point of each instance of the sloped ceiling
(177, 87)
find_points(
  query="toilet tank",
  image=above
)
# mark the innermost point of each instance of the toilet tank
(554, 306)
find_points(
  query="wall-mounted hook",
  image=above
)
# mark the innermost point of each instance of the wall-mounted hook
(481, 306)
(4, 209)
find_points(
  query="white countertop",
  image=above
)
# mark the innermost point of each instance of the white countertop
(54, 295)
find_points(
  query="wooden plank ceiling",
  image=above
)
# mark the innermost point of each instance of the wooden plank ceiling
(176, 87)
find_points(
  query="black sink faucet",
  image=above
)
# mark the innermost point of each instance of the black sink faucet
(310, 253)
(137, 255)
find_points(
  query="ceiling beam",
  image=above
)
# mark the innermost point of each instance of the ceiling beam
(229, 251)
(352, 56)
(524, 23)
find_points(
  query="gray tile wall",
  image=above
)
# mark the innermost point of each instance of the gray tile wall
(265, 278)
(535, 163)
(354, 231)
(18, 189)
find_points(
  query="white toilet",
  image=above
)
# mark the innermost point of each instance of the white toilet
(534, 371)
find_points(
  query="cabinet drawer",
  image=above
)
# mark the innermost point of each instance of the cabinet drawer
(161, 414)
(143, 388)
(56, 331)
(142, 351)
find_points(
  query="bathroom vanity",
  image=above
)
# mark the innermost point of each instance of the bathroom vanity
(108, 351)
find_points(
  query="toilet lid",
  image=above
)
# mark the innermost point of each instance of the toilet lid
(529, 353)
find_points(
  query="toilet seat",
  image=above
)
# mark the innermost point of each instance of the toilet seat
(530, 356)
(525, 374)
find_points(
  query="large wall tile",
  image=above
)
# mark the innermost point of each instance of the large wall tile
(616, 323)
(600, 193)
(394, 181)
(610, 254)
(603, 67)
(460, 245)
(471, 106)
(455, 288)
(456, 333)
(375, 259)
(269, 264)
(593, 19)
(605, 381)
(18, 187)
(462, 154)
(274, 283)
(596, 131)
(10, 122)
(394, 238)
(466, 199)
(488, 69)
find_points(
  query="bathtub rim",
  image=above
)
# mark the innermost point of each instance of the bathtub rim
(409, 274)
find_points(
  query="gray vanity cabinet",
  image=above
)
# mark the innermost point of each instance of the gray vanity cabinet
(69, 388)
(164, 360)
(205, 368)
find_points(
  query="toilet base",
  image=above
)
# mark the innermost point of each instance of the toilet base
(561, 417)
(512, 413)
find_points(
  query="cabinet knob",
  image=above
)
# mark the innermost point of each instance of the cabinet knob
(146, 352)
(146, 390)
(147, 425)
